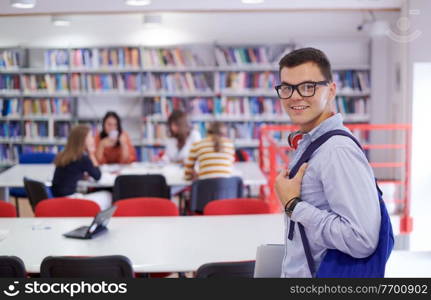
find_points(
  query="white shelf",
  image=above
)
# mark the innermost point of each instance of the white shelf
(157, 69)
(10, 93)
(10, 140)
(356, 118)
(107, 70)
(206, 118)
(10, 71)
(10, 118)
(249, 93)
(44, 141)
(352, 93)
(178, 94)
(47, 118)
(247, 68)
(42, 71)
(46, 94)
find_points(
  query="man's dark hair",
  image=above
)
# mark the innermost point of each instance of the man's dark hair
(305, 55)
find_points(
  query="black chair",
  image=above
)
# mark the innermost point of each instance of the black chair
(244, 269)
(36, 191)
(114, 266)
(134, 186)
(206, 190)
(30, 158)
(12, 267)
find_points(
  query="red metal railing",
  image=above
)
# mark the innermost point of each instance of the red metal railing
(271, 151)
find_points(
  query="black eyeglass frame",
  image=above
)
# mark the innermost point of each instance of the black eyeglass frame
(295, 87)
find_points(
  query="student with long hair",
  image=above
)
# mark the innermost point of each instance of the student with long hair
(75, 162)
(215, 155)
(182, 137)
(113, 144)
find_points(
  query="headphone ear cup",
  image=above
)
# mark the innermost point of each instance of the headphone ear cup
(294, 139)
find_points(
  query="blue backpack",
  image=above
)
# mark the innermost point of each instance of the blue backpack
(337, 264)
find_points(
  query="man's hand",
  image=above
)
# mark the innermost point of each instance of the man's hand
(286, 188)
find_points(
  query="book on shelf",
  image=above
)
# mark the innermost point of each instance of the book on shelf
(47, 107)
(176, 82)
(10, 130)
(47, 83)
(9, 82)
(57, 59)
(127, 57)
(36, 130)
(351, 81)
(346, 105)
(62, 130)
(170, 57)
(9, 59)
(9, 153)
(42, 148)
(10, 107)
(226, 56)
(240, 81)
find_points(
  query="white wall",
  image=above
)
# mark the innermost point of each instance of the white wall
(180, 28)
(419, 107)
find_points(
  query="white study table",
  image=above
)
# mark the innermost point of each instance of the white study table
(153, 244)
(174, 174)
(168, 244)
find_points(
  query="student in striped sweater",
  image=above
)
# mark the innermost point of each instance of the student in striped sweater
(215, 155)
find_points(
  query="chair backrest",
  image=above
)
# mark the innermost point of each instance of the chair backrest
(113, 266)
(36, 191)
(133, 186)
(206, 190)
(66, 207)
(36, 158)
(226, 270)
(269, 259)
(145, 207)
(7, 210)
(12, 267)
(238, 206)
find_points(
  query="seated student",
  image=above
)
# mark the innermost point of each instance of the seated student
(182, 137)
(75, 162)
(214, 154)
(113, 144)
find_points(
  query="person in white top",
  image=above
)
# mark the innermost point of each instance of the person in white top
(182, 137)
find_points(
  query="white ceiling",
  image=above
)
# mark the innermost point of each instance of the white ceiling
(115, 6)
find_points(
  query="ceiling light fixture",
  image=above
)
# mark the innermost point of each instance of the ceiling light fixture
(24, 4)
(138, 2)
(151, 21)
(60, 21)
(252, 1)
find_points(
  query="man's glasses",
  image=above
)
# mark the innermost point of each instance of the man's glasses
(305, 89)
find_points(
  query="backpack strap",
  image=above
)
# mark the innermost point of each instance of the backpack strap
(305, 157)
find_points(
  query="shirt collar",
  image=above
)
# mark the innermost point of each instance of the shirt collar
(333, 122)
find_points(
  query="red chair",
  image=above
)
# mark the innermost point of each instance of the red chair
(238, 206)
(66, 207)
(7, 210)
(145, 207)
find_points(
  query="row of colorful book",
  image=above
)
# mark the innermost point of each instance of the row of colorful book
(10, 107)
(87, 58)
(217, 106)
(9, 59)
(176, 82)
(246, 80)
(241, 55)
(9, 82)
(175, 57)
(47, 107)
(10, 130)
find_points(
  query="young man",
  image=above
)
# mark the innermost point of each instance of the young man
(333, 196)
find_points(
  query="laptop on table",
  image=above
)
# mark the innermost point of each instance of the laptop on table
(98, 226)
